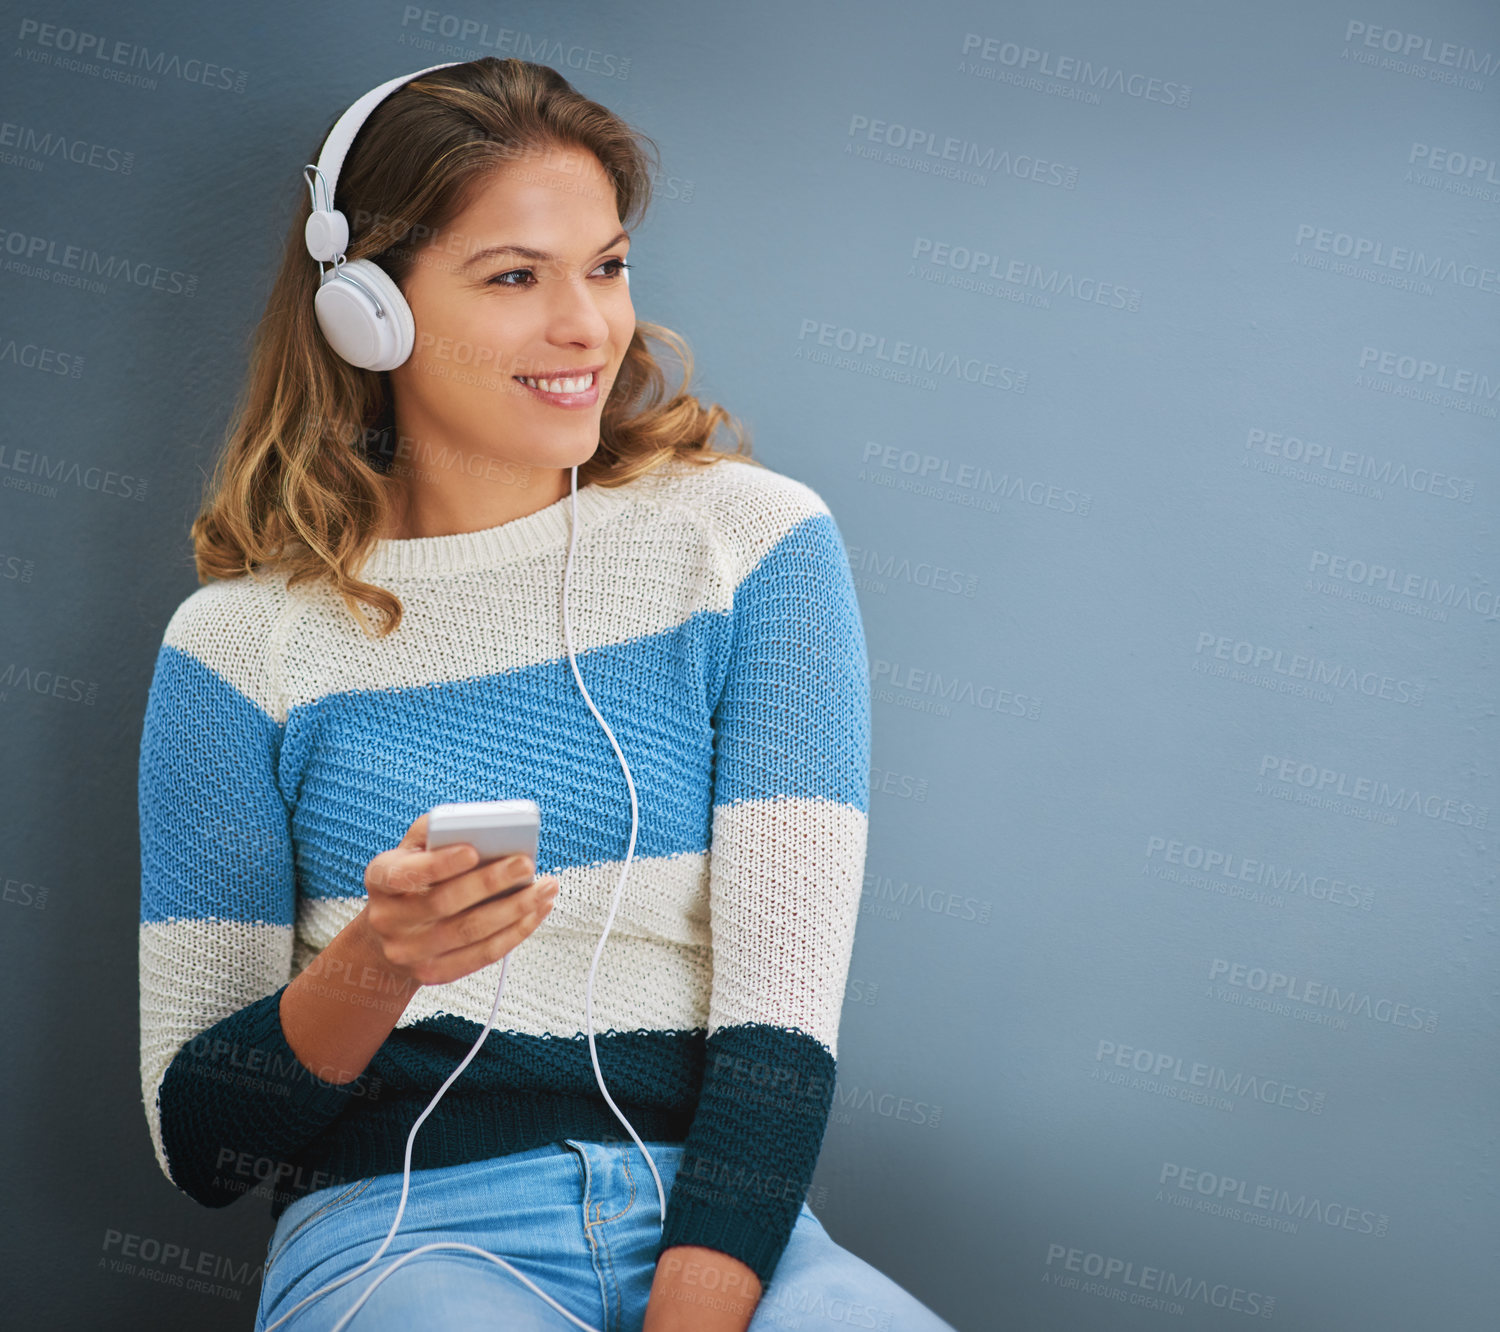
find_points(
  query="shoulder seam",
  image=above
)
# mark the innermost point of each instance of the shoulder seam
(275, 649)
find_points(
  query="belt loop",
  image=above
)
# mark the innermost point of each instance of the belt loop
(585, 1177)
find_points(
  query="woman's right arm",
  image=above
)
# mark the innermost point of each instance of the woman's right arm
(242, 1066)
(225, 1096)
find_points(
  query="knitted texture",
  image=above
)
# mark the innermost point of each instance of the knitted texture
(715, 624)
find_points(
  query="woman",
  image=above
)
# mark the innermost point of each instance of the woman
(312, 974)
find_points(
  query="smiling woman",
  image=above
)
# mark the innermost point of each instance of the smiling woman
(499, 200)
(312, 974)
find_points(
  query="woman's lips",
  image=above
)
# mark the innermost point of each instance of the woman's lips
(587, 398)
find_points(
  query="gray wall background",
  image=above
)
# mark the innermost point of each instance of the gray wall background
(1160, 417)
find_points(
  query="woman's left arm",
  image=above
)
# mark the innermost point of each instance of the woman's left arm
(790, 807)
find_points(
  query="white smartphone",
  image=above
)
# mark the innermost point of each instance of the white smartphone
(495, 828)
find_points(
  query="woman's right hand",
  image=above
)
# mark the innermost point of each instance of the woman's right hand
(427, 912)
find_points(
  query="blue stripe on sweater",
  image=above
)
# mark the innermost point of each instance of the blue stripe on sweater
(213, 827)
(360, 765)
(776, 685)
(368, 762)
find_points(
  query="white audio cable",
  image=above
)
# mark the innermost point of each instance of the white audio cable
(489, 1024)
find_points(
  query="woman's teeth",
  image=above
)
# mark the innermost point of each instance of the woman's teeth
(577, 385)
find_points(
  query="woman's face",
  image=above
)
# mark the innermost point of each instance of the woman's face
(486, 318)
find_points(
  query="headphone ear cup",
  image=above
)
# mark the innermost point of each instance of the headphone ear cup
(346, 311)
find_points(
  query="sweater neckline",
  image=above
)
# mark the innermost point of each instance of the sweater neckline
(490, 547)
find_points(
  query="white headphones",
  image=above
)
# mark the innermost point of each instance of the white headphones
(360, 309)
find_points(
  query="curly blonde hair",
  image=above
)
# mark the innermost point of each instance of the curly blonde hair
(300, 483)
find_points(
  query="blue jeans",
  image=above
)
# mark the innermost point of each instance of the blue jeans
(580, 1219)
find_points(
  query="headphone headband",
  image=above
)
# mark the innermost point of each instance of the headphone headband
(321, 235)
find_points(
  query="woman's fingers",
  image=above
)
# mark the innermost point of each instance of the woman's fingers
(449, 934)
(432, 911)
(482, 920)
(425, 886)
(467, 958)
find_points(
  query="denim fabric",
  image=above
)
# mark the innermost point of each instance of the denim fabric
(580, 1219)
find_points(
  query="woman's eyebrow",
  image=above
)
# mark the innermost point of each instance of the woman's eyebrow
(525, 252)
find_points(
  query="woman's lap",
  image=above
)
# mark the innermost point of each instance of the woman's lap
(580, 1220)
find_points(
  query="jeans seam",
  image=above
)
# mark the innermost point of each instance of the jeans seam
(611, 1319)
(609, 1257)
(612, 1312)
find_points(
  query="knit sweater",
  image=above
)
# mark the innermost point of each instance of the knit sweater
(715, 623)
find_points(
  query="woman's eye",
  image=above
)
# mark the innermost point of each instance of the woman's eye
(500, 279)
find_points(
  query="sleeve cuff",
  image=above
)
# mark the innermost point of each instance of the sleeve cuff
(239, 1088)
(749, 1159)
